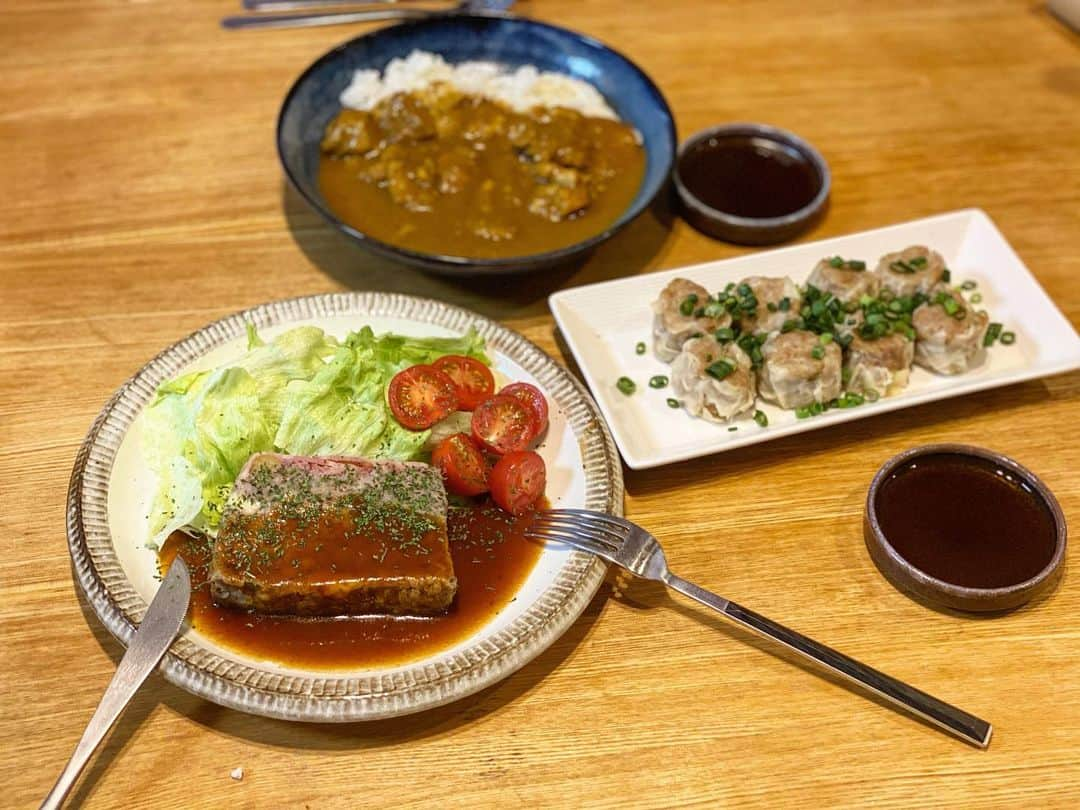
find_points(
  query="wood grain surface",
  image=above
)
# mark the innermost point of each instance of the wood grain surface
(142, 198)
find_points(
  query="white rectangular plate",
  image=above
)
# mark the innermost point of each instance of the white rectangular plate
(603, 322)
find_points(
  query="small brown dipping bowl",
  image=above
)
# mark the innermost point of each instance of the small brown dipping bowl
(751, 184)
(965, 528)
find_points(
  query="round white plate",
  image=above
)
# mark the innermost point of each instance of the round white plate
(111, 489)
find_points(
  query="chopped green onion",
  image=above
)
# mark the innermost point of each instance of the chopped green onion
(850, 400)
(659, 381)
(856, 264)
(836, 261)
(871, 395)
(688, 304)
(1008, 338)
(900, 266)
(817, 352)
(950, 305)
(626, 385)
(803, 412)
(725, 335)
(845, 375)
(640, 348)
(976, 298)
(673, 403)
(844, 340)
(720, 369)
(790, 325)
(784, 305)
(826, 338)
(761, 418)
(918, 261)
(714, 309)
(733, 428)
(946, 275)
(969, 285)
(744, 290)
(993, 332)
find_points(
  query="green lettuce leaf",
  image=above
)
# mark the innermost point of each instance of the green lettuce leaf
(302, 393)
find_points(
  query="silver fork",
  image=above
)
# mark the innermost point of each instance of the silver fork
(624, 543)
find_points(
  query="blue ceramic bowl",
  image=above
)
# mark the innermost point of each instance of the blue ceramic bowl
(509, 41)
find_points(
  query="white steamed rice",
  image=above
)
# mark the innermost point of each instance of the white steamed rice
(520, 90)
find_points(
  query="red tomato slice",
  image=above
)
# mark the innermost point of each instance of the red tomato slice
(472, 378)
(503, 424)
(463, 465)
(533, 397)
(420, 396)
(518, 480)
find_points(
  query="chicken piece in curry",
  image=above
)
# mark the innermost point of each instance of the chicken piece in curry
(438, 171)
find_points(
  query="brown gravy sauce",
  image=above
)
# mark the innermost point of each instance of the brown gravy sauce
(492, 558)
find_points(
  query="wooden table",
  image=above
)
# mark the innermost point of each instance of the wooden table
(142, 198)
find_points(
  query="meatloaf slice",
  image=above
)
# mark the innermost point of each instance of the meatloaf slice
(331, 536)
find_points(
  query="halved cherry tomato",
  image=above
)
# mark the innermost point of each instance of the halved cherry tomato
(503, 424)
(518, 480)
(420, 396)
(463, 465)
(472, 378)
(533, 397)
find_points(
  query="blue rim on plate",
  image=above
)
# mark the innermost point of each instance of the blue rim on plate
(511, 41)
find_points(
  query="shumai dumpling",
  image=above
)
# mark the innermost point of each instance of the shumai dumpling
(913, 269)
(799, 369)
(714, 380)
(948, 333)
(847, 281)
(881, 365)
(771, 291)
(677, 317)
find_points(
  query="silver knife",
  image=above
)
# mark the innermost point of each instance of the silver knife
(152, 639)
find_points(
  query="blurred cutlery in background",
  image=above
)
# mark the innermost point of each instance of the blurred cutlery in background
(373, 11)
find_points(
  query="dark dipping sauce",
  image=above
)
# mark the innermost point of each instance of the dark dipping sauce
(492, 558)
(749, 176)
(966, 520)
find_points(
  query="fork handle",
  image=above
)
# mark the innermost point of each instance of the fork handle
(966, 726)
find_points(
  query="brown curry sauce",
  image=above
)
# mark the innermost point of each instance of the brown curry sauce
(439, 172)
(491, 557)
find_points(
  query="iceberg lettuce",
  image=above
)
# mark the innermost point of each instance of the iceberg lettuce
(302, 393)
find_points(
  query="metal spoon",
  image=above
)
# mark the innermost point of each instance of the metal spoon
(149, 644)
(394, 12)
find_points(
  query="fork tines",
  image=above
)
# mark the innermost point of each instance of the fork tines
(582, 528)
